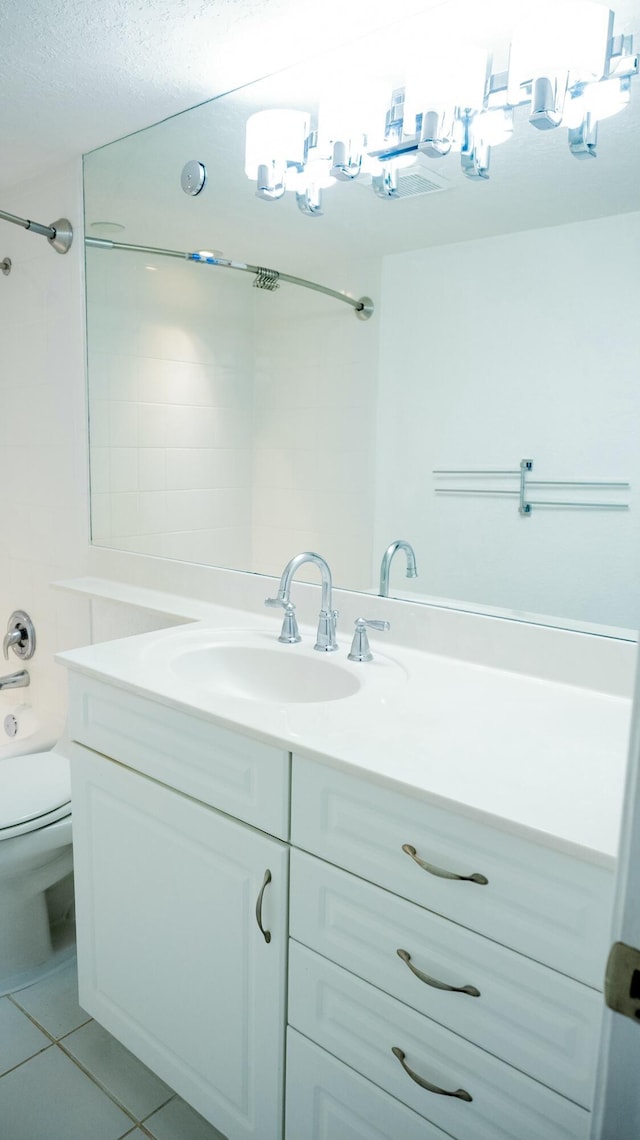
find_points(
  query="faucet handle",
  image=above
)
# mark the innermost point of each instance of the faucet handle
(360, 650)
(289, 634)
(20, 636)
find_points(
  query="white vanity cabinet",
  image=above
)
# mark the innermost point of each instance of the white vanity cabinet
(453, 966)
(441, 975)
(182, 910)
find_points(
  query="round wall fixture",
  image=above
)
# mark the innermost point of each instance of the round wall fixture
(193, 177)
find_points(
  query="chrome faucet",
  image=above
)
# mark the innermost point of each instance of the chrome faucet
(15, 680)
(387, 559)
(326, 635)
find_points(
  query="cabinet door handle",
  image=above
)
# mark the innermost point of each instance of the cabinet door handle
(461, 1094)
(406, 958)
(267, 879)
(475, 878)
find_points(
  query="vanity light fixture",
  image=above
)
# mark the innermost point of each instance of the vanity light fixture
(565, 64)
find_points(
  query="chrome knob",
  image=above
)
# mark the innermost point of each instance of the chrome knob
(360, 650)
(20, 636)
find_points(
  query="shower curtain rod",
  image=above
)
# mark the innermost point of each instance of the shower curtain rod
(59, 234)
(264, 278)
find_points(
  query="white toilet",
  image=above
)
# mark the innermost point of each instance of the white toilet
(36, 887)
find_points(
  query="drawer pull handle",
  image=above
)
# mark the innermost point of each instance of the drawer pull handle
(475, 878)
(406, 958)
(265, 882)
(461, 1094)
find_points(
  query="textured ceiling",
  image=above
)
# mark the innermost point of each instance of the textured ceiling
(534, 181)
(79, 73)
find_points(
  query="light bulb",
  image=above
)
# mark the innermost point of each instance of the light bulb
(493, 127)
(606, 98)
(569, 39)
(455, 78)
(276, 139)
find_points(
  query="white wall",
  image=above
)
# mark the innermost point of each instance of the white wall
(43, 470)
(519, 346)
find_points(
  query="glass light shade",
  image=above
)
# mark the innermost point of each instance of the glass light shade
(569, 37)
(317, 172)
(599, 100)
(602, 100)
(456, 78)
(493, 127)
(350, 114)
(275, 138)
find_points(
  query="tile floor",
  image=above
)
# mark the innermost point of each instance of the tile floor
(63, 1077)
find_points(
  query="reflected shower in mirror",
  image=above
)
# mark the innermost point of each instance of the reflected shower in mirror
(234, 425)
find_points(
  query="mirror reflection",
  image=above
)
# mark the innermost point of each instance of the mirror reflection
(486, 414)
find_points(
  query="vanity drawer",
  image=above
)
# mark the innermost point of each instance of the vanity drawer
(328, 1101)
(234, 773)
(360, 1026)
(539, 1021)
(545, 904)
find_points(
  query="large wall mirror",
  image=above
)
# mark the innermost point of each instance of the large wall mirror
(235, 426)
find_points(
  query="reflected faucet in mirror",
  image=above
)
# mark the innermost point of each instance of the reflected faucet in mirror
(326, 635)
(387, 559)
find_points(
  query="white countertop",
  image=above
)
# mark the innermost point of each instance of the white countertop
(539, 758)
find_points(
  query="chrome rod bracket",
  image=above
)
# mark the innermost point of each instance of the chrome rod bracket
(365, 312)
(5, 266)
(59, 234)
(62, 238)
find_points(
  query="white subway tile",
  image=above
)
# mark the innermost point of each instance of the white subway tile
(125, 513)
(152, 425)
(100, 462)
(151, 468)
(123, 469)
(123, 424)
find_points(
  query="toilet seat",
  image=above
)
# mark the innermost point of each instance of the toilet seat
(35, 790)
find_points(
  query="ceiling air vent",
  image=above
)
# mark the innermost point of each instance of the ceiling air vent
(415, 180)
(411, 183)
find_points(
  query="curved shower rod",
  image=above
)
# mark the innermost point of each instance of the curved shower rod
(59, 234)
(268, 279)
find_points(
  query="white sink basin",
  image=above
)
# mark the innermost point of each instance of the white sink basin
(257, 673)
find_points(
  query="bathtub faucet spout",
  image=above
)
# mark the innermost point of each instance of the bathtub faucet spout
(18, 680)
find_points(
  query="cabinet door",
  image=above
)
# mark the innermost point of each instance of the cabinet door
(171, 958)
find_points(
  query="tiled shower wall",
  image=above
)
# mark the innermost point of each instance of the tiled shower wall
(43, 468)
(225, 421)
(170, 363)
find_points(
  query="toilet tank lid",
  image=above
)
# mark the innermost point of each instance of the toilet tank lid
(32, 786)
